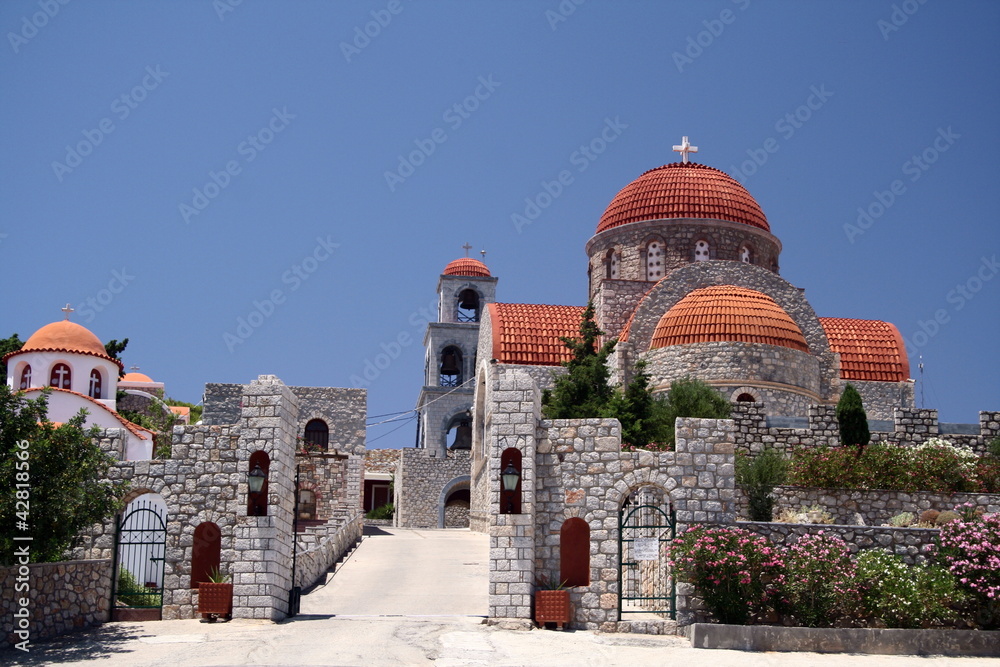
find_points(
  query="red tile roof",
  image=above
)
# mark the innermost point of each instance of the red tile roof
(135, 429)
(529, 334)
(64, 336)
(683, 190)
(728, 313)
(868, 349)
(466, 266)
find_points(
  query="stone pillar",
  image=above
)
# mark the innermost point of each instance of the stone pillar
(262, 571)
(914, 426)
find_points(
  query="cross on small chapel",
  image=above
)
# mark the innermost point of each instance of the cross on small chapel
(133, 368)
(467, 248)
(67, 309)
(684, 149)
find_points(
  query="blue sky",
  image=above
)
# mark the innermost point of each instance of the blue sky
(171, 169)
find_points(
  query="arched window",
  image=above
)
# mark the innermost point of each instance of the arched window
(307, 504)
(468, 306)
(745, 398)
(61, 376)
(257, 502)
(95, 384)
(611, 261)
(206, 552)
(701, 251)
(574, 552)
(654, 261)
(510, 501)
(26, 376)
(459, 435)
(317, 435)
(746, 255)
(450, 372)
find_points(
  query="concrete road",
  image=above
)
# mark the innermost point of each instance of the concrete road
(404, 597)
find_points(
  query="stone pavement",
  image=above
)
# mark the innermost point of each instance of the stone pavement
(404, 597)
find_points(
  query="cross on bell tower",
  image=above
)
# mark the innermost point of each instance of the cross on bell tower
(684, 149)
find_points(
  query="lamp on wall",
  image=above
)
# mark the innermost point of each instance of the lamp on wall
(256, 479)
(510, 477)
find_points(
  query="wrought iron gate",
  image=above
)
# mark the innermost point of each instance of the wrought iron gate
(645, 583)
(140, 547)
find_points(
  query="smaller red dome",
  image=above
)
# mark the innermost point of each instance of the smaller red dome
(466, 266)
(136, 377)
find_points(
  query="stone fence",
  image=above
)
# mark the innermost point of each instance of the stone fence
(875, 507)
(62, 597)
(912, 544)
(319, 547)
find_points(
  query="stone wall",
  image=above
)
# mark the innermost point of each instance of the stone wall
(343, 410)
(320, 547)
(62, 597)
(382, 460)
(423, 483)
(880, 398)
(912, 544)
(222, 403)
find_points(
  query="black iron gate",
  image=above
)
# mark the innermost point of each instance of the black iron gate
(140, 547)
(645, 583)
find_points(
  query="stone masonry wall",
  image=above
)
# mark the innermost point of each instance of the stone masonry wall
(222, 403)
(62, 597)
(423, 483)
(911, 544)
(319, 547)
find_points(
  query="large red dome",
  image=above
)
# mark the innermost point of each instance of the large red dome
(683, 190)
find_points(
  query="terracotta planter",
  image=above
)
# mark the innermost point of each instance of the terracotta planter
(215, 600)
(552, 607)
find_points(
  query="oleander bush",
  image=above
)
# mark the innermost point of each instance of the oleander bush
(821, 585)
(970, 550)
(904, 596)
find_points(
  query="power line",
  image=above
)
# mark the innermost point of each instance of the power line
(392, 431)
(414, 410)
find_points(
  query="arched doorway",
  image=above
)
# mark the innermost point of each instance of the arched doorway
(140, 552)
(454, 503)
(646, 525)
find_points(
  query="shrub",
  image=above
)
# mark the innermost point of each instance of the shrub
(971, 551)
(381, 513)
(133, 594)
(758, 476)
(736, 572)
(946, 517)
(929, 516)
(693, 398)
(903, 519)
(852, 419)
(813, 514)
(902, 596)
(820, 580)
(993, 446)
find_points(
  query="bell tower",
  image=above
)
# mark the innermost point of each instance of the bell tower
(445, 403)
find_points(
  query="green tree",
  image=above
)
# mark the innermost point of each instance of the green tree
(8, 345)
(852, 419)
(583, 391)
(692, 398)
(643, 416)
(66, 473)
(758, 475)
(115, 348)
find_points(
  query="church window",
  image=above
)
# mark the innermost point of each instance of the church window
(701, 251)
(317, 435)
(574, 552)
(745, 255)
(61, 376)
(468, 306)
(94, 391)
(26, 376)
(654, 261)
(612, 262)
(745, 398)
(307, 504)
(451, 367)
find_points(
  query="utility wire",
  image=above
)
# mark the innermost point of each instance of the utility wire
(414, 410)
(413, 418)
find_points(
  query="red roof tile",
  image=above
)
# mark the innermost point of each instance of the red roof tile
(134, 428)
(728, 313)
(529, 334)
(466, 266)
(683, 190)
(868, 349)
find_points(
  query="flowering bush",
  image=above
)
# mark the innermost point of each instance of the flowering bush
(902, 596)
(970, 549)
(820, 580)
(736, 572)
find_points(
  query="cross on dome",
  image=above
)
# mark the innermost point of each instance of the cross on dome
(467, 247)
(67, 309)
(684, 149)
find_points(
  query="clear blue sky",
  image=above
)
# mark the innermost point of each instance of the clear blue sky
(299, 119)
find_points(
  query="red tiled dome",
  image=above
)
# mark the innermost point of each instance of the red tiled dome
(728, 313)
(64, 336)
(683, 190)
(868, 349)
(466, 266)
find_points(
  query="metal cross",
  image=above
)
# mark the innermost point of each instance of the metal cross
(133, 367)
(67, 310)
(684, 149)
(467, 248)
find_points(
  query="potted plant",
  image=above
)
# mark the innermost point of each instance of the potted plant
(215, 596)
(551, 602)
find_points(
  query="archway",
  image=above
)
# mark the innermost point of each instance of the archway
(140, 555)
(454, 503)
(646, 524)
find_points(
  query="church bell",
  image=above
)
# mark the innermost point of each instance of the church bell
(449, 364)
(468, 300)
